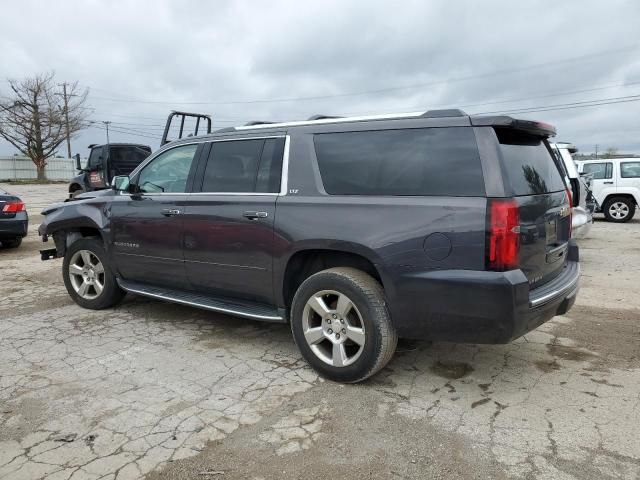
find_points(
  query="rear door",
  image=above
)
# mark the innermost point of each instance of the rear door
(229, 219)
(604, 182)
(533, 179)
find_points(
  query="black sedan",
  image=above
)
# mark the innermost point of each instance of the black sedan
(14, 220)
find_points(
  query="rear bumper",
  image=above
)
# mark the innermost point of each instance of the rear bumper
(477, 306)
(14, 227)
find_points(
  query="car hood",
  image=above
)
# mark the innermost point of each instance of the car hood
(75, 200)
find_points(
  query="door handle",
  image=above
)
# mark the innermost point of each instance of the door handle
(170, 212)
(608, 183)
(255, 215)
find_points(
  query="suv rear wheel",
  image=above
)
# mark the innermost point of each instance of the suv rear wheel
(341, 324)
(88, 277)
(619, 209)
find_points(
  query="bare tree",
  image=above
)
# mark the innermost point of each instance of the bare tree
(610, 152)
(38, 117)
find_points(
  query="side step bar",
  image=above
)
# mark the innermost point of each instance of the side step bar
(228, 306)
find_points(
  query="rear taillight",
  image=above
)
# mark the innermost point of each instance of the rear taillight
(13, 207)
(570, 197)
(503, 229)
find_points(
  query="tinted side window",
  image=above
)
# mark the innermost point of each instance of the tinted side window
(529, 166)
(168, 172)
(270, 170)
(233, 166)
(426, 161)
(600, 170)
(630, 170)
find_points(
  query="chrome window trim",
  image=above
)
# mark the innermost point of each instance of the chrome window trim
(222, 194)
(239, 139)
(255, 194)
(284, 175)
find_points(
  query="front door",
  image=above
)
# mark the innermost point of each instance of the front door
(228, 223)
(147, 224)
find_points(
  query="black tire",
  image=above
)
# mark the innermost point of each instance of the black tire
(111, 293)
(611, 202)
(77, 192)
(367, 295)
(11, 243)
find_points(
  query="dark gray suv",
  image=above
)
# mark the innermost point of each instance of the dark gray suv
(356, 231)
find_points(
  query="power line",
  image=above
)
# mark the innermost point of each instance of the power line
(96, 126)
(388, 89)
(567, 106)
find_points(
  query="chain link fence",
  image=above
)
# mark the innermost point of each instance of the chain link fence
(22, 168)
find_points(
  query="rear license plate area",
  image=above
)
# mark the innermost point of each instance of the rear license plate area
(551, 230)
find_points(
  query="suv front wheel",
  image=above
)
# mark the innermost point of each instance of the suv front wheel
(619, 209)
(88, 277)
(341, 324)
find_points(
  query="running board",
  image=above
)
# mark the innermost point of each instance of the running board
(236, 307)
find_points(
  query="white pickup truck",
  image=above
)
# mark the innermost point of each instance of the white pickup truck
(616, 186)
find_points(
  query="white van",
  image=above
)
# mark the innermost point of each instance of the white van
(616, 186)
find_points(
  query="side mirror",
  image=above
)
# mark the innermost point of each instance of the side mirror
(77, 159)
(120, 183)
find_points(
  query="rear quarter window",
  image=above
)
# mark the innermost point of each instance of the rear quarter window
(529, 166)
(630, 169)
(409, 162)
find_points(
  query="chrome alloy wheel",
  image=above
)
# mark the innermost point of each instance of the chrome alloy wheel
(333, 328)
(86, 273)
(619, 210)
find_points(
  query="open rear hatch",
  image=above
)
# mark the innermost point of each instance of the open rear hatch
(539, 190)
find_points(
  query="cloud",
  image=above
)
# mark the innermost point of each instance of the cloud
(226, 51)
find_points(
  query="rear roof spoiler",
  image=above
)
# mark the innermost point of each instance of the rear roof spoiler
(503, 121)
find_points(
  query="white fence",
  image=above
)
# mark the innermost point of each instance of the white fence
(22, 168)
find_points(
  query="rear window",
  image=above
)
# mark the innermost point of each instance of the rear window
(529, 166)
(426, 161)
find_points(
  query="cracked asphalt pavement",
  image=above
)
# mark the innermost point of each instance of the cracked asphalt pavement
(160, 391)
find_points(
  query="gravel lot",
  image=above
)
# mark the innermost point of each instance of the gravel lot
(164, 391)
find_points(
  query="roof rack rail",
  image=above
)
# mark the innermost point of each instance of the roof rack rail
(322, 117)
(450, 112)
(225, 129)
(257, 122)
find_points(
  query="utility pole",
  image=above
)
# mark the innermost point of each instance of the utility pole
(107, 125)
(66, 118)
(596, 151)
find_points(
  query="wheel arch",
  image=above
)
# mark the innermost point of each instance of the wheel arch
(311, 259)
(627, 195)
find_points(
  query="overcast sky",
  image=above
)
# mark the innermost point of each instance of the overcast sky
(286, 60)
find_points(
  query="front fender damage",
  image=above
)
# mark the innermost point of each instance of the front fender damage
(66, 222)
